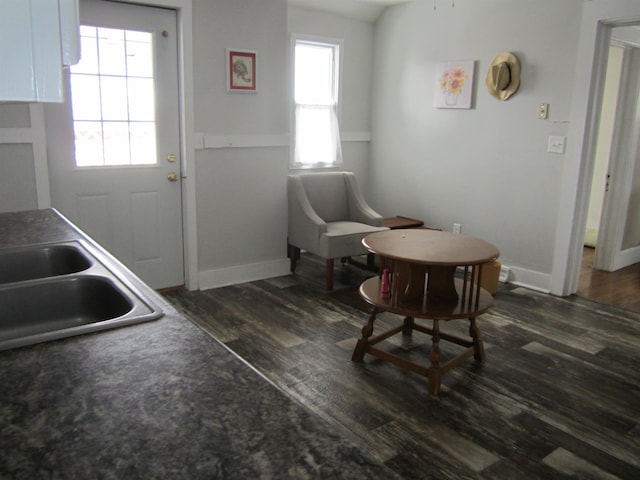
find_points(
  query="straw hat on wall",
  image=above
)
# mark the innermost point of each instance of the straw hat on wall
(503, 76)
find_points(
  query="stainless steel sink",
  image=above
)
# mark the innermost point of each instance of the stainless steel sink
(37, 307)
(41, 261)
(60, 290)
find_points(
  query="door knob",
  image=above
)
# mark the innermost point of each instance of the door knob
(172, 177)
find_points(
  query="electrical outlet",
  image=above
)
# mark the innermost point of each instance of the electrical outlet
(543, 111)
(457, 228)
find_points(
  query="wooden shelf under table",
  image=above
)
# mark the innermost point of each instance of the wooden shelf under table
(427, 306)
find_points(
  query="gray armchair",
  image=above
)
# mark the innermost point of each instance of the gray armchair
(329, 217)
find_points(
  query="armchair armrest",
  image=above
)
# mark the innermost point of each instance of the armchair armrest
(359, 209)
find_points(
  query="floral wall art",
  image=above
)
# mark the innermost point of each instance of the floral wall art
(454, 84)
(241, 71)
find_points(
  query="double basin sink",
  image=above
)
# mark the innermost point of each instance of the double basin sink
(56, 290)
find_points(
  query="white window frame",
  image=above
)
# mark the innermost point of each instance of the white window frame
(126, 158)
(337, 45)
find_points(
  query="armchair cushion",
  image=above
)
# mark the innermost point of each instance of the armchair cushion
(344, 239)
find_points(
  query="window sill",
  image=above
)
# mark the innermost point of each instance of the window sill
(323, 166)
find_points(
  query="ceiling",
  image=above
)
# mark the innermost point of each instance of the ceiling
(367, 10)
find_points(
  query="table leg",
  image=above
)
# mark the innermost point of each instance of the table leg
(294, 256)
(478, 345)
(371, 260)
(408, 326)
(434, 375)
(367, 331)
(329, 263)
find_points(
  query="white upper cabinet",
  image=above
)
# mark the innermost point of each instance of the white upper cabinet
(37, 37)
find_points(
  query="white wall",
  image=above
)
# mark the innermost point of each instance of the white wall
(357, 67)
(241, 191)
(16, 160)
(487, 167)
(241, 212)
(24, 181)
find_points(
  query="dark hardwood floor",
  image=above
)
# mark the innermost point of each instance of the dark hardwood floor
(620, 288)
(558, 397)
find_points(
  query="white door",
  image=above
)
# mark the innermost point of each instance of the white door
(619, 236)
(113, 146)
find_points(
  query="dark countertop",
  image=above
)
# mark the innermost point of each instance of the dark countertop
(161, 399)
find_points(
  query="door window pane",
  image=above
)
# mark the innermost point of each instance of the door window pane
(139, 54)
(86, 97)
(89, 143)
(141, 99)
(116, 142)
(112, 54)
(143, 143)
(89, 47)
(113, 98)
(114, 103)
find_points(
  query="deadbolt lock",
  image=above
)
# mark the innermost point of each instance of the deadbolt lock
(171, 157)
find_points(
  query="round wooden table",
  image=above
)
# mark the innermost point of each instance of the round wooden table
(433, 275)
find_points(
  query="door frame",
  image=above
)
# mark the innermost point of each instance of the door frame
(598, 18)
(184, 14)
(609, 253)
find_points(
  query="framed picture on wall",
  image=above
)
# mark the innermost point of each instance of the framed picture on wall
(242, 68)
(454, 84)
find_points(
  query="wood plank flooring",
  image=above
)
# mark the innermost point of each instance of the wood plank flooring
(558, 398)
(620, 288)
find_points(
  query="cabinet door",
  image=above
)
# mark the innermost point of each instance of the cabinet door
(31, 48)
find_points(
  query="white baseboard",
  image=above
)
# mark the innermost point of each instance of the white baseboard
(222, 277)
(531, 279)
(627, 257)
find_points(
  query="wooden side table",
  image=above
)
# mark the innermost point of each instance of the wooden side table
(398, 222)
(423, 265)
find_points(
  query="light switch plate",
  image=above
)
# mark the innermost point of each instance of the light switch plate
(556, 144)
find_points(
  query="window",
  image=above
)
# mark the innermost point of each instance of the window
(316, 83)
(112, 94)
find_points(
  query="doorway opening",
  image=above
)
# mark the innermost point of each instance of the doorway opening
(610, 264)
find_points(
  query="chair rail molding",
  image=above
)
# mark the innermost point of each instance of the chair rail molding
(205, 141)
